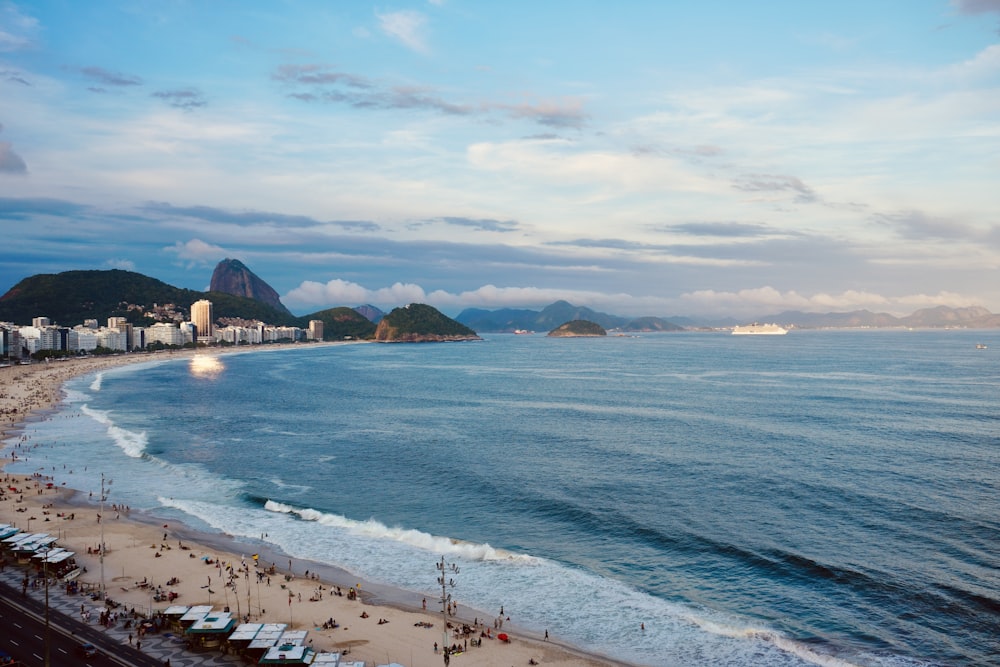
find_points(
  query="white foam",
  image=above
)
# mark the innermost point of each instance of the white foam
(96, 384)
(130, 442)
(376, 530)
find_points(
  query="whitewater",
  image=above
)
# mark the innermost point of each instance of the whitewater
(829, 498)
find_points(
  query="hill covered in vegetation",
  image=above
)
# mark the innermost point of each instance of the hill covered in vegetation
(578, 328)
(417, 323)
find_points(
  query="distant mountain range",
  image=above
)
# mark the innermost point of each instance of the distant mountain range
(554, 315)
(511, 319)
(70, 297)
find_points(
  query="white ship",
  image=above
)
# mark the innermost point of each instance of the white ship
(759, 330)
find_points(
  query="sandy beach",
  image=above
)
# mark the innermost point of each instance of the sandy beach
(142, 557)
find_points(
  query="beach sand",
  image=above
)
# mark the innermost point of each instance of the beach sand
(139, 551)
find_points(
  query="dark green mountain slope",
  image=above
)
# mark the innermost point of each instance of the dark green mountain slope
(343, 322)
(70, 297)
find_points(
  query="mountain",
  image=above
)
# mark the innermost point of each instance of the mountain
(578, 329)
(343, 322)
(511, 319)
(231, 276)
(651, 324)
(418, 323)
(973, 317)
(70, 297)
(370, 312)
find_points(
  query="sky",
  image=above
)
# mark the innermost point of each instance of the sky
(716, 158)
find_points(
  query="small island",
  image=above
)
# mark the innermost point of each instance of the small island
(577, 329)
(420, 323)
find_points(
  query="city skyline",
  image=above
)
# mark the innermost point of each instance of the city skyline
(648, 158)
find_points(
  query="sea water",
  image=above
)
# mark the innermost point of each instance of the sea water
(824, 498)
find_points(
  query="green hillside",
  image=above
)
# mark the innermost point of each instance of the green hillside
(343, 322)
(420, 322)
(70, 297)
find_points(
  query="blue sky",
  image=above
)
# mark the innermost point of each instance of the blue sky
(642, 158)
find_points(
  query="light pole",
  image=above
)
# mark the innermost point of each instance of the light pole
(446, 583)
(101, 521)
(45, 573)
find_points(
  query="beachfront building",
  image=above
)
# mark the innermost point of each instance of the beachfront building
(282, 334)
(315, 330)
(46, 337)
(10, 341)
(112, 339)
(81, 339)
(166, 333)
(240, 335)
(201, 316)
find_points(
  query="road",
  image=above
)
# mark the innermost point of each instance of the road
(22, 635)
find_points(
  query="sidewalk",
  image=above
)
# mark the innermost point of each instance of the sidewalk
(162, 646)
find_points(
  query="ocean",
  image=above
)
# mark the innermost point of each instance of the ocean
(820, 498)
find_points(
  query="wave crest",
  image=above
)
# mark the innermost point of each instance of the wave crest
(131, 443)
(415, 538)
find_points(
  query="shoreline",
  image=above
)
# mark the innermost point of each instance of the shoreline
(138, 549)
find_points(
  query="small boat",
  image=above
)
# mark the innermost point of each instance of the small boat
(980, 346)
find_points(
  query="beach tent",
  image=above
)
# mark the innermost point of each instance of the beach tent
(7, 531)
(327, 660)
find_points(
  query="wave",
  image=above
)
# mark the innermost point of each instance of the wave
(131, 443)
(414, 538)
(96, 384)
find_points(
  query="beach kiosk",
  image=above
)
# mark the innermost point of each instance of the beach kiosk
(242, 635)
(266, 638)
(287, 654)
(296, 637)
(193, 615)
(211, 630)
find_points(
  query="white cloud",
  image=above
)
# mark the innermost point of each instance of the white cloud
(196, 251)
(16, 29)
(341, 292)
(764, 300)
(406, 26)
(748, 303)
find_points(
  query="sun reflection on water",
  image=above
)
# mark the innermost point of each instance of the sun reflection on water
(206, 366)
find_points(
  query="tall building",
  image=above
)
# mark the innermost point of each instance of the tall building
(315, 330)
(201, 317)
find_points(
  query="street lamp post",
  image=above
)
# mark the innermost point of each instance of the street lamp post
(45, 574)
(446, 582)
(103, 496)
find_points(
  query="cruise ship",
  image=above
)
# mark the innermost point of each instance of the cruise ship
(759, 330)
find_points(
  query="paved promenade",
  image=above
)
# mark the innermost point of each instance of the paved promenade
(162, 646)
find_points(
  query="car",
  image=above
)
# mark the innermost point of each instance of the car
(86, 650)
